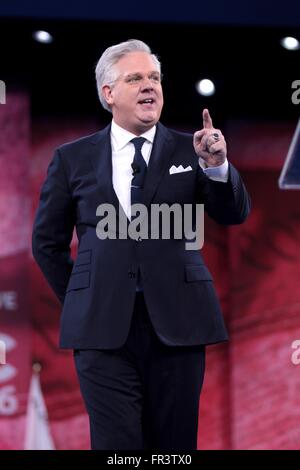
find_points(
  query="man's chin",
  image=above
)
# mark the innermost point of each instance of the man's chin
(148, 121)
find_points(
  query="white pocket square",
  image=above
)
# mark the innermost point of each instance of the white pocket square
(179, 169)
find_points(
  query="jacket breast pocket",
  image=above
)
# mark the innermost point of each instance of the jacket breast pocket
(181, 178)
(79, 281)
(197, 273)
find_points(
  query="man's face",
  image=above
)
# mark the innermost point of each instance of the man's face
(138, 80)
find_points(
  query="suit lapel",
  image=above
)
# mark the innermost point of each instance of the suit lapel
(101, 160)
(163, 147)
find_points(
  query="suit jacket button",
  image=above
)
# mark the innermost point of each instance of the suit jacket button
(131, 274)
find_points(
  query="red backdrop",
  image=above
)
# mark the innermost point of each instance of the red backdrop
(249, 399)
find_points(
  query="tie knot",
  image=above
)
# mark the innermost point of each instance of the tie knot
(138, 142)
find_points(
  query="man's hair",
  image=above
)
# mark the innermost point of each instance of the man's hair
(107, 73)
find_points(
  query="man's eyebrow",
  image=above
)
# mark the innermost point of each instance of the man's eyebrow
(133, 74)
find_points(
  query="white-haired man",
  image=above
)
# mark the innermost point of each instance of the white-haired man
(137, 311)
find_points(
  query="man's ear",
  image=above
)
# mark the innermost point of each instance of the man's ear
(107, 93)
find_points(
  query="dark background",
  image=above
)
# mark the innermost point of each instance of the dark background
(235, 44)
(230, 12)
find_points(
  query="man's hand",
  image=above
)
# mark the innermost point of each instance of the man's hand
(209, 143)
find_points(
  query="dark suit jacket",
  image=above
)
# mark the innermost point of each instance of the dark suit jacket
(98, 289)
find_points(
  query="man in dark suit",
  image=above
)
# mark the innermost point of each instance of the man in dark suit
(138, 312)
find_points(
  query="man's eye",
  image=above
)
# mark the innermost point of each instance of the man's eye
(133, 79)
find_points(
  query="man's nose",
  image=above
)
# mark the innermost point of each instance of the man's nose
(147, 85)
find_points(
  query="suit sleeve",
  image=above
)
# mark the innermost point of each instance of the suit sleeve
(227, 203)
(53, 228)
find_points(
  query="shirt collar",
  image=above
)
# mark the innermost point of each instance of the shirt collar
(120, 137)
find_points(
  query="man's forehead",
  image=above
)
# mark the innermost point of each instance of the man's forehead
(137, 61)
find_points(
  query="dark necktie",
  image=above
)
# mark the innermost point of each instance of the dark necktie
(139, 168)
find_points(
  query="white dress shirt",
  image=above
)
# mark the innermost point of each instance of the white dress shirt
(216, 173)
(122, 156)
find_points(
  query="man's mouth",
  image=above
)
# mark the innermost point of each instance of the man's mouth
(147, 101)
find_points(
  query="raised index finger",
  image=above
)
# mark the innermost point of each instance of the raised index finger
(207, 121)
